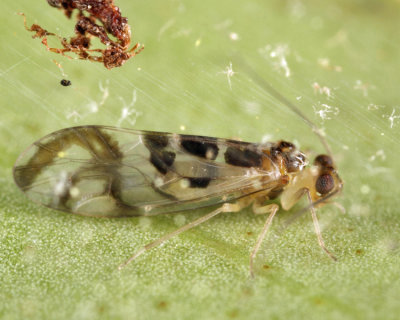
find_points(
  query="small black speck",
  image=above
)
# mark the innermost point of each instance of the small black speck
(65, 83)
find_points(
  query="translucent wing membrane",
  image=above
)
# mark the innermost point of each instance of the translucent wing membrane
(106, 171)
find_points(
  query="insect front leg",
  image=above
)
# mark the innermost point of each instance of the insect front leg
(259, 209)
(226, 207)
(318, 230)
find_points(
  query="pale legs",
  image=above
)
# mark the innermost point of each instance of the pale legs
(235, 207)
(318, 230)
(226, 207)
(257, 209)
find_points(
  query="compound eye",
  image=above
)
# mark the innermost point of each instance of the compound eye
(324, 184)
(323, 160)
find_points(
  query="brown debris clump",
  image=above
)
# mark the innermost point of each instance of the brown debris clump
(90, 12)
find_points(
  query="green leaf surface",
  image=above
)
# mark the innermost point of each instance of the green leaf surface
(337, 60)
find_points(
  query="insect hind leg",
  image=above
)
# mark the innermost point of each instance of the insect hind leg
(258, 209)
(226, 207)
(318, 230)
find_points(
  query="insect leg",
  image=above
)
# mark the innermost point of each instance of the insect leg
(339, 206)
(318, 230)
(257, 209)
(226, 207)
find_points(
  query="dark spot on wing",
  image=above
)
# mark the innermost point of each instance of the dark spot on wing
(285, 146)
(155, 141)
(162, 160)
(242, 157)
(205, 149)
(199, 182)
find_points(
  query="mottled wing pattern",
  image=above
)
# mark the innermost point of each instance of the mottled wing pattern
(107, 171)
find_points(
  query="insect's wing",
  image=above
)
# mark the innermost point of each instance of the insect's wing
(106, 171)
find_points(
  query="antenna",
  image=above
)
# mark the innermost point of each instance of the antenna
(270, 89)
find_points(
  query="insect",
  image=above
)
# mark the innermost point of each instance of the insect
(65, 82)
(113, 31)
(113, 172)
